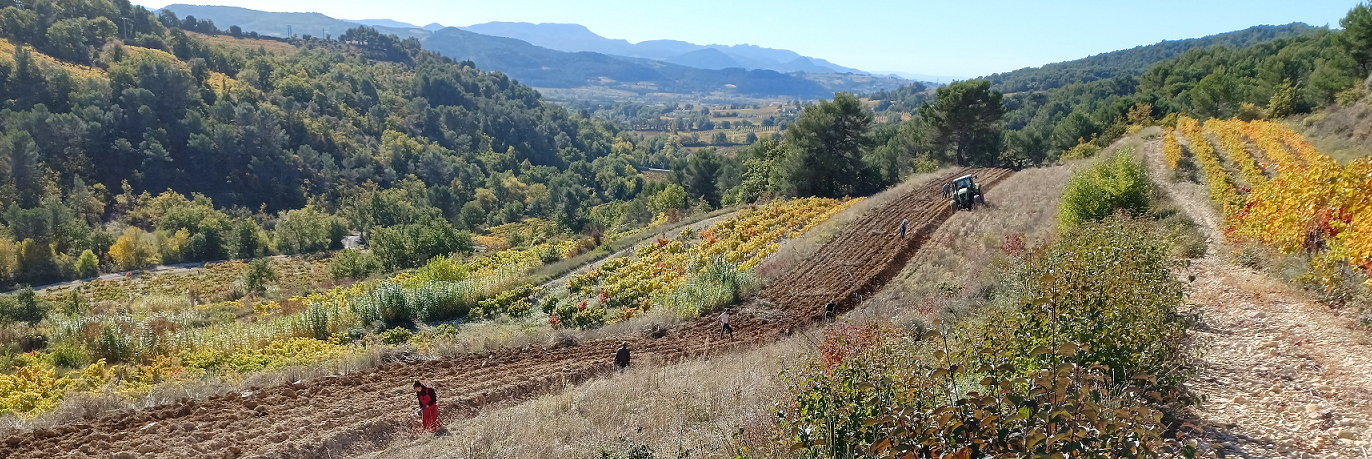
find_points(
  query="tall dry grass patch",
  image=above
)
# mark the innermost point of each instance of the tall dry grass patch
(704, 408)
(950, 273)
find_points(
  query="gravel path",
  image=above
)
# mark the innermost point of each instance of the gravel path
(1285, 376)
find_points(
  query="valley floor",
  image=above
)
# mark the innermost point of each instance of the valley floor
(1286, 376)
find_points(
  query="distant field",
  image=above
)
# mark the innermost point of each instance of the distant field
(649, 97)
(247, 43)
(7, 50)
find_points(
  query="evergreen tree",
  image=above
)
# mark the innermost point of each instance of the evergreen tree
(1356, 38)
(965, 117)
(701, 176)
(825, 149)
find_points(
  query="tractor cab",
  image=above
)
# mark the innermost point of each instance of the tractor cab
(966, 192)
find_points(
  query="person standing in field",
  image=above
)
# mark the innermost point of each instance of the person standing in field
(724, 325)
(947, 190)
(428, 406)
(903, 222)
(622, 357)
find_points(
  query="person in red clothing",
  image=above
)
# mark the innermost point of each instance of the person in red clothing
(428, 406)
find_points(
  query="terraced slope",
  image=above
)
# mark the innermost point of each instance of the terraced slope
(363, 410)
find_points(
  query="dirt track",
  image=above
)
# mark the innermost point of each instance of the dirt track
(1284, 376)
(364, 410)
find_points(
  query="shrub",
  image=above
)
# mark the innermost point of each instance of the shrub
(23, 306)
(259, 274)
(396, 335)
(950, 409)
(410, 246)
(135, 249)
(68, 356)
(114, 345)
(1089, 361)
(1082, 150)
(575, 315)
(1117, 183)
(353, 264)
(87, 264)
(392, 303)
(1350, 96)
(721, 284)
(550, 254)
(308, 230)
(514, 302)
(1109, 288)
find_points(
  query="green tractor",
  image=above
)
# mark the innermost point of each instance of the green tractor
(966, 193)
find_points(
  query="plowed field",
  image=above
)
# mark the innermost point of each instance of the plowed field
(364, 410)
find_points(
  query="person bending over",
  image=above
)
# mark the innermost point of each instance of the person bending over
(428, 406)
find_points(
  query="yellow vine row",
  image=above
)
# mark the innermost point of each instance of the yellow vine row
(1171, 149)
(1230, 135)
(1221, 184)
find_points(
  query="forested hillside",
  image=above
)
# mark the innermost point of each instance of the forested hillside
(1134, 61)
(365, 132)
(1302, 70)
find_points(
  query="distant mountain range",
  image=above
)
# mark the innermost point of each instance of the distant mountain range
(396, 24)
(577, 38)
(659, 66)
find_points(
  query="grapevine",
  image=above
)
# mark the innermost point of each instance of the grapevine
(1171, 149)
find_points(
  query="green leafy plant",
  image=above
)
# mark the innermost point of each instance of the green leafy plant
(396, 335)
(1116, 183)
(353, 264)
(260, 273)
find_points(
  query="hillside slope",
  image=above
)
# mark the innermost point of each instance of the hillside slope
(364, 410)
(1133, 61)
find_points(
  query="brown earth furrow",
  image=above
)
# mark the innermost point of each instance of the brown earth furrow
(365, 410)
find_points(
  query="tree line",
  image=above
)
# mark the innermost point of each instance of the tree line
(1279, 71)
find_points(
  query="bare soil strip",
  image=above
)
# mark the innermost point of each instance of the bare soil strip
(1286, 376)
(364, 411)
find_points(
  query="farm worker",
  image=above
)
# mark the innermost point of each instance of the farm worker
(622, 357)
(903, 222)
(829, 310)
(724, 325)
(428, 406)
(947, 190)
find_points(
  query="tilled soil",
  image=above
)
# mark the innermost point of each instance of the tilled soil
(1285, 376)
(365, 410)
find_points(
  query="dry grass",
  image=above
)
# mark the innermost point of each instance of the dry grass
(7, 50)
(697, 407)
(951, 272)
(250, 44)
(1343, 133)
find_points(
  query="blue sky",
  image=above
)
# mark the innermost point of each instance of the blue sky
(947, 38)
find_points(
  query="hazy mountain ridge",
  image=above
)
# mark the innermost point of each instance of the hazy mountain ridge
(543, 67)
(577, 38)
(391, 23)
